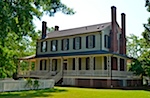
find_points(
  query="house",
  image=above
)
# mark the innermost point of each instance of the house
(89, 56)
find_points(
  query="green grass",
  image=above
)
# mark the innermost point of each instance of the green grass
(70, 92)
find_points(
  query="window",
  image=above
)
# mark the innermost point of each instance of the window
(87, 63)
(43, 64)
(73, 64)
(105, 63)
(80, 63)
(77, 43)
(44, 46)
(54, 45)
(65, 44)
(94, 64)
(90, 41)
(114, 63)
(107, 41)
(121, 64)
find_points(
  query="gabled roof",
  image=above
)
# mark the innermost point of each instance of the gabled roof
(80, 30)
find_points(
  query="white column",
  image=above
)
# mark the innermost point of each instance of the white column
(76, 65)
(109, 65)
(125, 64)
(118, 61)
(91, 64)
(35, 65)
(30, 65)
(50, 64)
(19, 67)
(102, 57)
(62, 62)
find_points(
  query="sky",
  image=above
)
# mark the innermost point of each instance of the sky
(90, 12)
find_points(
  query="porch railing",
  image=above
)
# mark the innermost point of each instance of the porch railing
(97, 73)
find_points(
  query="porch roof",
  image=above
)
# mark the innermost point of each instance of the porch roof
(79, 53)
(27, 57)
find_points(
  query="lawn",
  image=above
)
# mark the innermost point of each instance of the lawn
(70, 92)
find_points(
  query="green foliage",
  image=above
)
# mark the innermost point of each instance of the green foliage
(138, 48)
(146, 33)
(17, 31)
(36, 84)
(29, 83)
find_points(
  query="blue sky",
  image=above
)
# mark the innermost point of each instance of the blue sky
(89, 12)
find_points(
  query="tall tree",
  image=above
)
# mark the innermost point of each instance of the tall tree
(146, 33)
(17, 31)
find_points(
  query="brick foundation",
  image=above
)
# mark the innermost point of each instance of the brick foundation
(106, 83)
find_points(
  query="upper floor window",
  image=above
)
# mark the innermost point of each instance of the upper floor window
(44, 46)
(54, 45)
(77, 43)
(65, 44)
(90, 41)
(107, 41)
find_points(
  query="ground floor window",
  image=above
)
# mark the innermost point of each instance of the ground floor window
(73, 64)
(94, 63)
(87, 63)
(80, 61)
(121, 64)
(114, 63)
(105, 63)
(43, 64)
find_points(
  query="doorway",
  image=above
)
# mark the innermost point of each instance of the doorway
(65, 63)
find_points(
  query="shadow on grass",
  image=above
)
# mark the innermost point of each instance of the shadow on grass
(32, 93)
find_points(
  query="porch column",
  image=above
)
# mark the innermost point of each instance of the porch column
(35, 65)
(19, 67)
(118, 60)
(91, 64)
(50, 64)
(102, 62)
(125, 64)
(109, 65)
(77, 65)
(30, 65)
(109, 71)
(62, 62)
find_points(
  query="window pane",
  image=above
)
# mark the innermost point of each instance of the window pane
(77, 43)
(43, 45)
(65, 44)
(91, 41)
(73, 64)
(54, 45)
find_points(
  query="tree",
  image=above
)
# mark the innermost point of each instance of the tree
(17, 31)
(146, 33)
(138, 49)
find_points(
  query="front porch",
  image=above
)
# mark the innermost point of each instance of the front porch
(92, 66)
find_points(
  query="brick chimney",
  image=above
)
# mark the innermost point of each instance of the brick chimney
(123, 25)
(114, 43)
(44, 28)
(56, 28)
